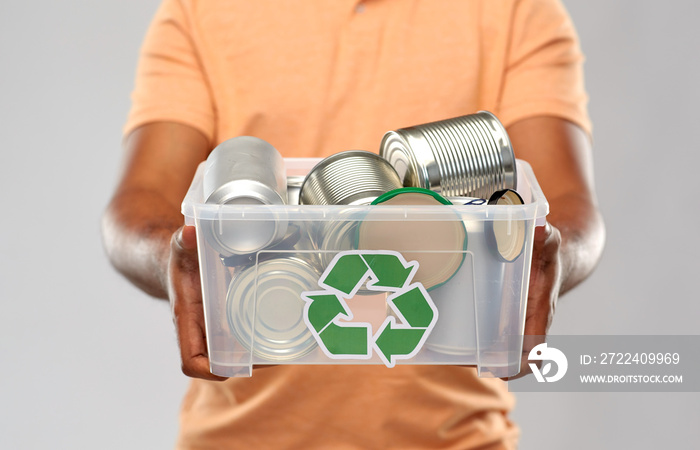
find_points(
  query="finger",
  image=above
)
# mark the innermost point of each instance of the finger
(187, 308)
(193, 348)
(543, 232)
(186, 238)
(189, 324)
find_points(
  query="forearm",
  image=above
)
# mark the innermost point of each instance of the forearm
(136, 229)
(582, 237)
(139, 222)
(560, 154)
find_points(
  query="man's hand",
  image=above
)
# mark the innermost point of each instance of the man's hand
(545, 280)
(143, 233)
(568, 247)
(543, 293)
(185, 294)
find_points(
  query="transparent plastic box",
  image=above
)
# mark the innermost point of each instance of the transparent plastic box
(380, 284)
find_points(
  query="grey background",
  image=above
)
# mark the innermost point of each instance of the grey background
(90, 362)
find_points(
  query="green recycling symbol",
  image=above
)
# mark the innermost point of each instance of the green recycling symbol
(327, 315)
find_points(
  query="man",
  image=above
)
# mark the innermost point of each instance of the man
(314, 78)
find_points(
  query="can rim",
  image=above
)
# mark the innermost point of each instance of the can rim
(406, 190)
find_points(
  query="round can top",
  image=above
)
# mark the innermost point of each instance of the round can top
(438, 246)
(507, 237)
(265, 308)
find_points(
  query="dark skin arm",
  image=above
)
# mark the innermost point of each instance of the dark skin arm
(568, 248)
(144, 235)
(146, 241)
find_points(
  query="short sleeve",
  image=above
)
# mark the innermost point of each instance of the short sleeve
(170, 82)
(544, 66)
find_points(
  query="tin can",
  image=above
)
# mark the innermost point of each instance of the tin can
(464, 156)
(353, 177)
(245, 171)
(265, 309)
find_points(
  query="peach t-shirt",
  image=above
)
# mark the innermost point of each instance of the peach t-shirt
(315, 77)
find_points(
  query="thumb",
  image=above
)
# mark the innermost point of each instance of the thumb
(186, 237)
(542, 233)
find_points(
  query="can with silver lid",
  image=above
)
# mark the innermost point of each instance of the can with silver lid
(245, 171)
(265, 308)
(464, 156)
(353, 177)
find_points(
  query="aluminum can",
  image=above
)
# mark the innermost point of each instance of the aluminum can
(464, 156)
(245, 171)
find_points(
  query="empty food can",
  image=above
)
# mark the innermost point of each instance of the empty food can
(464, 156)
(353, 177)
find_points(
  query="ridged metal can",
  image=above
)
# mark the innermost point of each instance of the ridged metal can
(265, 308)
(335, 236)
(464, 156)
(353, 177)
(245, 171)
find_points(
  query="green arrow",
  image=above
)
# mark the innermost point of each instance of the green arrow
(398, 341)
(345, 340)
(348, 271)
(322, 309)
(388, 269)
(414, 307)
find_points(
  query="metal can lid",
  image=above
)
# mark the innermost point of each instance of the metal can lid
(274, 324)
(438, 246)
(506, 237)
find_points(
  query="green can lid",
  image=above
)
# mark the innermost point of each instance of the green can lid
(440, 251)
(408, 190)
